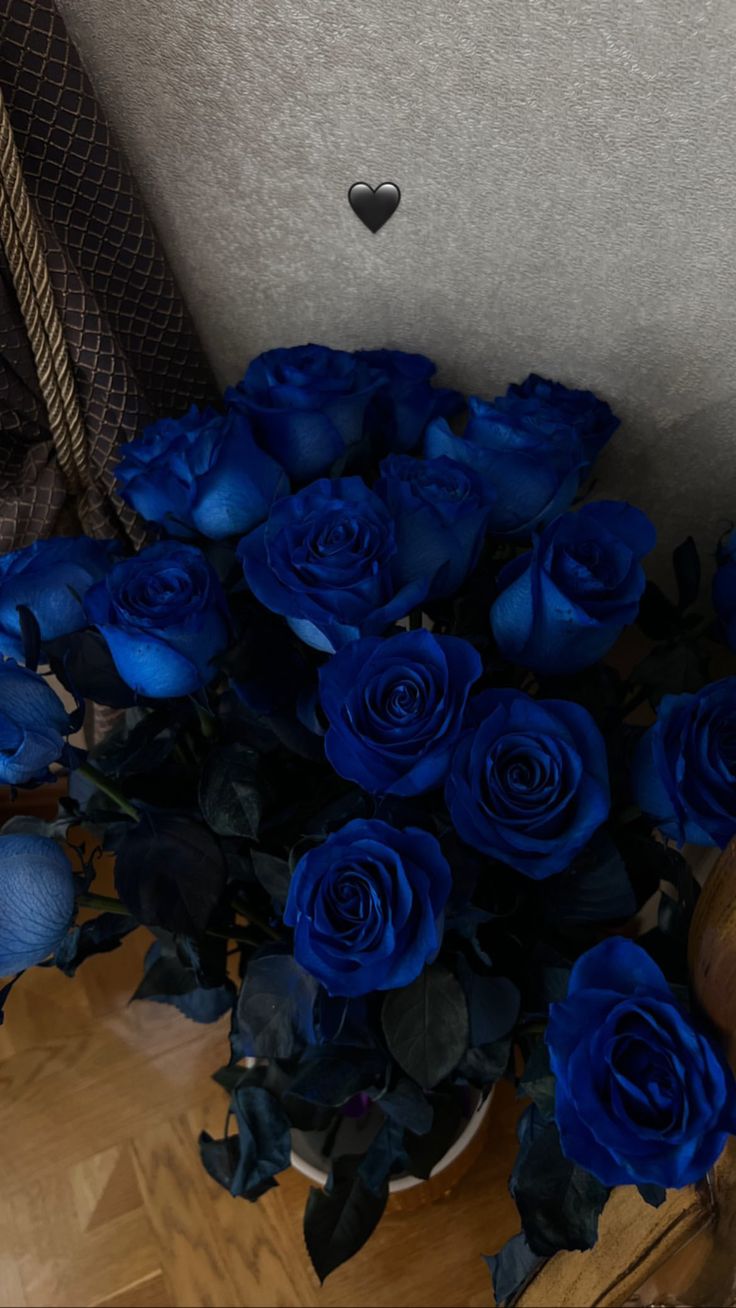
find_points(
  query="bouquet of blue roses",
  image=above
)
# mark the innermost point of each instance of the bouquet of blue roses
(373, 735)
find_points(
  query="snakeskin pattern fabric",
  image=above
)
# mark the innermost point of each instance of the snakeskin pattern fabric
(133, 349)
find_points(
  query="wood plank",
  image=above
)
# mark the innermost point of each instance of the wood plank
(150, 1292)
(60, 1262)
(11, 1285)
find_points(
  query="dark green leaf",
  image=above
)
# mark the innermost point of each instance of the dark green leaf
(597, 887)
(234, 1074)
(408, 1105)
(493, 1004)
(425, 1151)
(485, 1064)
(645, 858)
(339, 1219)
(140, 742)
(512, 1268)
(310, 1117)
(173, 978)
(99, 935)
(276, 1005)
(671, 670)
(273, 873)
(559, 1203)
(231, 792)
(385, 1157)
(165, 976)
(654, 1195)
(537, 1080)
(332, 1078)
(169, 871)
(247, 1164)
(84, 665)
(426, 1025)
(301, 848)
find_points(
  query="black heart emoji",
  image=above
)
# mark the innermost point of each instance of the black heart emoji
(374, 207)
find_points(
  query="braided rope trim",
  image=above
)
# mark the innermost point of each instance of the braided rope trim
(21, 239)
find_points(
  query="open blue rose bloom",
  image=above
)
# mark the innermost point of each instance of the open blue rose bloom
(384, 731)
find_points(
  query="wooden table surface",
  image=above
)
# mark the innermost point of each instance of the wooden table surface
(103, 1199)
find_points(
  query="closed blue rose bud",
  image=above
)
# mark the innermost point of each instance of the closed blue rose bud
(51, 578)
(307, 405)
(367, 907)
(547, 404)
(531, 474)
(164, 617)
(395, 709)
(684, 770)
(200, 474)
(528, 782)
(724, 588)
(327, 559)
(33, 725)
(642, 1094)
(36, 900)
(400, 411)
(565, 603)
(441, 511)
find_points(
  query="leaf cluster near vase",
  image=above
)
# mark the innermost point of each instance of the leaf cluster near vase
(403, 742)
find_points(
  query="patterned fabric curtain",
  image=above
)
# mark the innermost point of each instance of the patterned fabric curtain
(122, 325)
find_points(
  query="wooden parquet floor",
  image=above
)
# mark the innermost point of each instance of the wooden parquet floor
(103, 1199)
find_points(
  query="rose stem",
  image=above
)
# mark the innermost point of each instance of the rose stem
(101, 782)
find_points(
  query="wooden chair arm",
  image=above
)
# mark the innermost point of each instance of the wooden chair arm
(712, 948)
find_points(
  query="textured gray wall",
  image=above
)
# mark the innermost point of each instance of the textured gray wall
(568, 177)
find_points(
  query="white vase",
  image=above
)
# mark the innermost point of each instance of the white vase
(400, 1184)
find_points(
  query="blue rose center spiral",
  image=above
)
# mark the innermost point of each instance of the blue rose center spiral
(588, 567)
(336, 548)
(147, 596)
(353, 906)
(398, 697)
(645, 1086)
(523, 774)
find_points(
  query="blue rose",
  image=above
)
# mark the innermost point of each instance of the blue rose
(528, 782)
(395, 709)
(534, 473)
(367, 907)
(565, 603)
(51, 578)
(327, 559)
(684, 771)
(307, 405)
(164, 617)
(643, 1096)
(547, 405)
(399, 412)
(441, 511)
(33, 725)
(724, 587)
(200, 474)
(36, 900)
